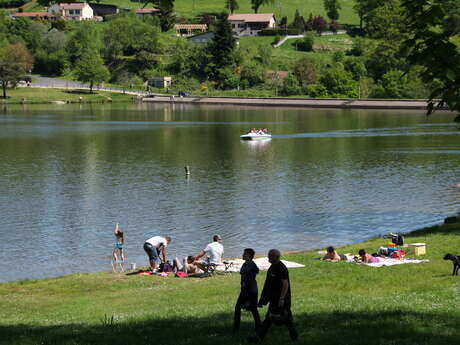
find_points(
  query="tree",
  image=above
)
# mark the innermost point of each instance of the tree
(319, 24)
(298, 22)
(223, 45)
(255, 4)
(307, 43)
(85, 38)
(167, 17)
(89, 68)
(232, 5)
(15, 61)
(439, 54)
(364, 9)
(332, 8)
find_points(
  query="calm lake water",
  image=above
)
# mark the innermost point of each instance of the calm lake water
(328, 177)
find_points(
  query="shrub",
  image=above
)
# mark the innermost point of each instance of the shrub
(281, 32)
(306, 44)
(276, 39)
(319, 24)
(291, 86)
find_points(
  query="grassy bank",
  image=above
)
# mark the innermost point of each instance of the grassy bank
(333, 303)
(46, 95)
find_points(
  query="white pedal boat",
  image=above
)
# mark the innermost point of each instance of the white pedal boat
(255, 136)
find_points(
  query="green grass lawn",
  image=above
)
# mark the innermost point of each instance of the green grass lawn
(286, 54)
(195, 8)
(44, 95)
(333, 303)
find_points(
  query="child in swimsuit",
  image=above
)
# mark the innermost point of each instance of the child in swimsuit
(118, 244)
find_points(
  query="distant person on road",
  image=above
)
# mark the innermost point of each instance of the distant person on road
(248, 294)
(213, 253)
(120, 241)
(277, 294)
(155, 246)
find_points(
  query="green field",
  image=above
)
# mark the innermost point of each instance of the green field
(45, 95)
(194, 8)
(333, 303)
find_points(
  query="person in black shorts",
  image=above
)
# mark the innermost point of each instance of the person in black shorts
(248, 295)
(277, 294)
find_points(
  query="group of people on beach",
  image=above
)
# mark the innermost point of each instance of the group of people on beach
(276, 292)
(363, 257)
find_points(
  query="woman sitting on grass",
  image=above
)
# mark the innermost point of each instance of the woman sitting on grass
(368, 258)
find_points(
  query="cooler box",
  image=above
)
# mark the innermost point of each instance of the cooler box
(418, 248)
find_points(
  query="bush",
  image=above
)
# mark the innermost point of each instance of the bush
(291, 86)
(306, 44)
(12, 3)
(276, 39)
(281, 32)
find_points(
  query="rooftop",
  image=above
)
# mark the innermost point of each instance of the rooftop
(251, 17)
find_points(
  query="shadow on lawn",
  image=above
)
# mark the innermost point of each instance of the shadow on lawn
(448, 229)
(80, 92)
(395, 327)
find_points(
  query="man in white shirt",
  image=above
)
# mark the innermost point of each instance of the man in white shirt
(153, 247)
(213, 252)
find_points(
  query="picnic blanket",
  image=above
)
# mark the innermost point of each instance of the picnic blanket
(262, 263)
(392, 262)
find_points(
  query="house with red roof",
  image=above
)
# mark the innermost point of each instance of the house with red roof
(72, 11)
(250, 24)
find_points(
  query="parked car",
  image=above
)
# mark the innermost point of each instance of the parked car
(184, 94)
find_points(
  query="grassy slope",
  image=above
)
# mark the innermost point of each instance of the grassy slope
(192, 8)
(335, 303)
(31, 95)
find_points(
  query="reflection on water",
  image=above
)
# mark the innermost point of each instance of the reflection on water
(69, 173)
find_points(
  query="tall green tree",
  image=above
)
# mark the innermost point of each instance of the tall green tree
(86, 37)
(89, 68)
(332, 8)
(298, 22)
(223, 45)
(437, 52)
(15, 61)
(364, 9)
(232, 5)
(167, 16)
(255, 4)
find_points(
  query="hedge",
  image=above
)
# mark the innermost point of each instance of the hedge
(281, 32)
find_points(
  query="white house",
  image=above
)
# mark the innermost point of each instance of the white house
(251, 23)
(72, 11)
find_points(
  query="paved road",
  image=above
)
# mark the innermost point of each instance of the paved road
(298, 102)
(46, 82)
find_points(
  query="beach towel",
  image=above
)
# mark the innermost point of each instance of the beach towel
(392, 262)
(262, 263)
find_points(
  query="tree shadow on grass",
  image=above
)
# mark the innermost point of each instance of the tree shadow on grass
(450, 229)
(80, 92)
(364, 327)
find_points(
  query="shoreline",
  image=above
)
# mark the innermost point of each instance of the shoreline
(257, 255)
(403, 104)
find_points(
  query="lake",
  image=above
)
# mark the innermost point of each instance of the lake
(327, 177)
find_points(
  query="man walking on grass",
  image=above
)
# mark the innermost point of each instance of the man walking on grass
(277, 294)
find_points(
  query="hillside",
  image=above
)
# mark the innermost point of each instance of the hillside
(194, 8)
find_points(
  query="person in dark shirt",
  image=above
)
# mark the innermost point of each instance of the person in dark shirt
(277, 294)
(248, 295)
